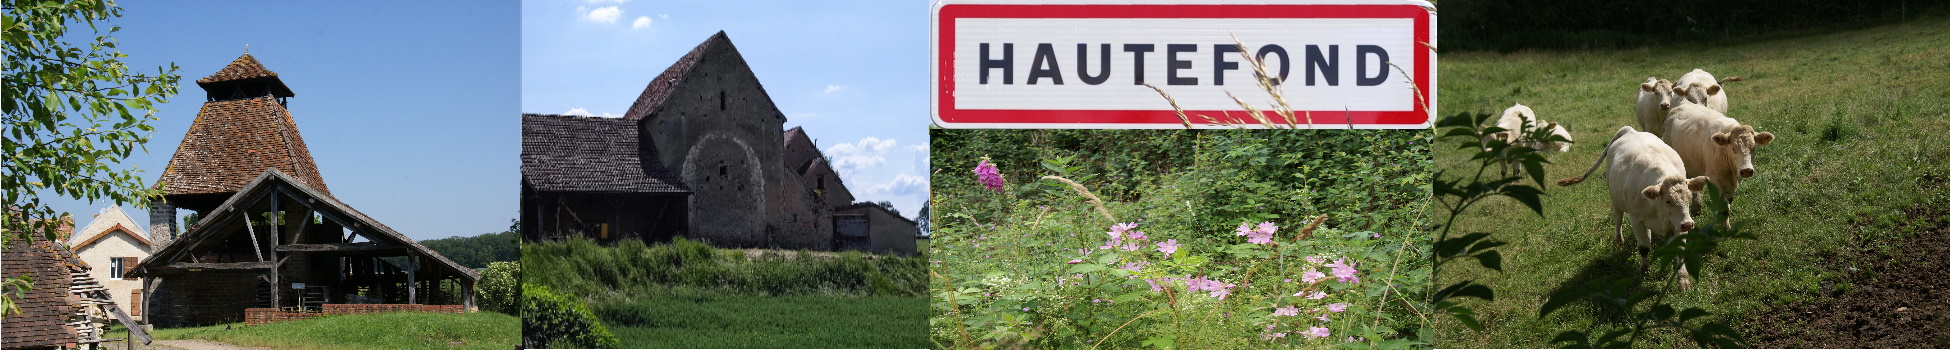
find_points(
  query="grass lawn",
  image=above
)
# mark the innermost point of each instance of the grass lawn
(1858, 168)
(769, 322)
(399, 330)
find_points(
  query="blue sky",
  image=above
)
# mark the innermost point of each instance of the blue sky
(854, 74)
(409, 108)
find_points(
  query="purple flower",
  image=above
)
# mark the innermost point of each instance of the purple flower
(1315, 296)
(988, 175)
(1286, 311)
(1337, 307)
(1136, 236)
(1134, 266)
(1322, 318)
(1168, 247)
(1314, 259)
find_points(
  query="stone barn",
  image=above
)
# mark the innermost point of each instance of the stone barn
(269, 237)
(705, 134)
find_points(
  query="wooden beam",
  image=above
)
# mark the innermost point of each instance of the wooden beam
(366, 247)
(264, 265)
(276, 215)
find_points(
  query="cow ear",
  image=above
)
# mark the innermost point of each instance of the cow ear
(1681, 90)
(1763, 138)
(1651, 192)
(1713, 90)
(1723, 138)
(1647, 87)
(1697, 183)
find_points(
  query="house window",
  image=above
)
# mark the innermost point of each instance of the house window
(722, 169)
(115, 268)
(721, 100)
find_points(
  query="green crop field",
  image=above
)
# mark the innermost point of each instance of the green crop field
(1847, 202)
(768, 322)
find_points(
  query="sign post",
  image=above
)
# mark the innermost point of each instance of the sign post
(1346, 63)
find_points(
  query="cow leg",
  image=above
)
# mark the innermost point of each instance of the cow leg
(1644, 238)
(1618, 232)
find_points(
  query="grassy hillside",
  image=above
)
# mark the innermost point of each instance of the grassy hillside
(399, 330)
(1857, 169)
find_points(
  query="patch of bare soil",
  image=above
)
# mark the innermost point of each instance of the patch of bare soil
(1899, 299)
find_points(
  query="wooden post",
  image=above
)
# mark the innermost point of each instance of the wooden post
(412, 291)
(277, 289)
(467, 294)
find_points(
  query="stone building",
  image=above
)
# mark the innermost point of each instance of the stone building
(113, 244)
(270, 237)
(705, 134)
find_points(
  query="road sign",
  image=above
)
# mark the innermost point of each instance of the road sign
(1013, 64)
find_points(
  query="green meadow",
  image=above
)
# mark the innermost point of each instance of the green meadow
(1857, 171)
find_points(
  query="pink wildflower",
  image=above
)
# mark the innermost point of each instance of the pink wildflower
(1286, 311)
(988, 175)
(1134, 266)
(1169, 247)
(1314, 259)
(1136, 236)
(1322, 318)
(1268, 227)
(1315, 296)
(1337, 307)
(1311, 275)
(1317, 332)
(1344, 271)
(1244, 228)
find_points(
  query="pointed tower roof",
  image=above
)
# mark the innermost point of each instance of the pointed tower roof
(233, 140)
(244, 73)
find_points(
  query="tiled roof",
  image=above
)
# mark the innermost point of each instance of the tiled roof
(591, 154)
(660, 88)
(245, 67)
(231, 142)
(236, 204)
(44, 310)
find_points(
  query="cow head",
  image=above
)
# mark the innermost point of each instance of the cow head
(1696, 93)
(1674, 195)
(1739, 143)
(1662, 88)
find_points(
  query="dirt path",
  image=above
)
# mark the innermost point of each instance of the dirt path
(1894, 300)
(191, 345)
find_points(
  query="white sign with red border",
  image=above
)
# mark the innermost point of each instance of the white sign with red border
(1076, 64)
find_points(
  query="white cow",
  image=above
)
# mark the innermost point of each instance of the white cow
(1655, 102)
(1699, 87)
(1714, 146)
(1513, 123)
(1647, 180)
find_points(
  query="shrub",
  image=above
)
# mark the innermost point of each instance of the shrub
(550, 320)
(501, 287)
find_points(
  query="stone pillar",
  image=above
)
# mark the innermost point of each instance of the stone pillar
(162, 224)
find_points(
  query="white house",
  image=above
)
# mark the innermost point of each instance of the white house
(112, 245)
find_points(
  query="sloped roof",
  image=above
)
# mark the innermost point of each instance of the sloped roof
(591, 154)
(244, 74)
(268, 181)
(44, 309)
(105, 224)
(232, 142)
(660, 87)
(244, 67)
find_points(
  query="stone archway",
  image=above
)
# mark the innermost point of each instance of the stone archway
(728, 190)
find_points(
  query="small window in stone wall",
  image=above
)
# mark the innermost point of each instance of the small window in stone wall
(722, 170)
(721, 104)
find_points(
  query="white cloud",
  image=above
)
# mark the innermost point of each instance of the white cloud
(869, 152)
(577, 111)
(663, 16)
(903, 185)
(600, 2)
(919, 148)
(832, 88)
(641, 22)
(601, 15)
